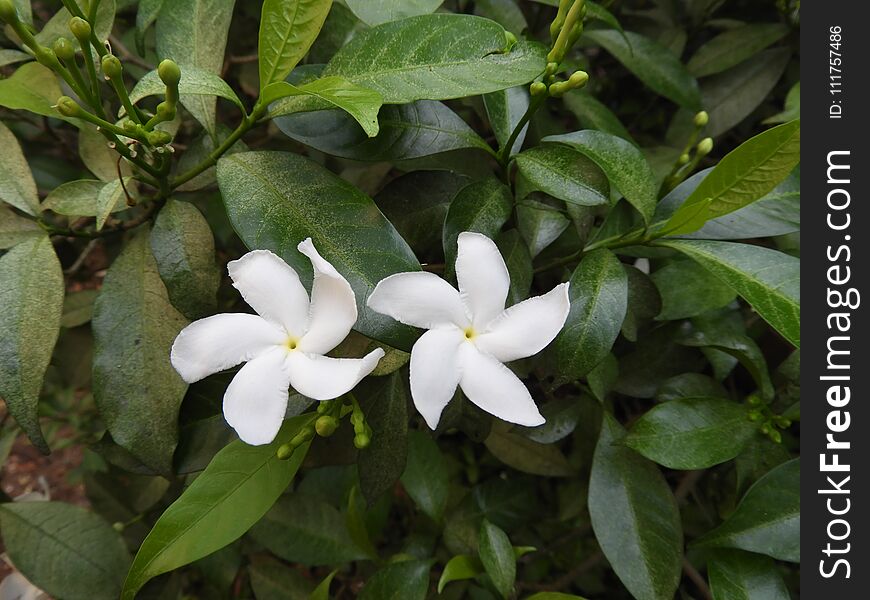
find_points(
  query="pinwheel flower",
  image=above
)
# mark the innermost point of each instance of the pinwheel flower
(470, 333)
(283, 346)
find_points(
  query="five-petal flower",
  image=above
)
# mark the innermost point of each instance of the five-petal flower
(470, 332)
(283, 346)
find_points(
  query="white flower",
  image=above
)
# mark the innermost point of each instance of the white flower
(282, 346)
(470, 332)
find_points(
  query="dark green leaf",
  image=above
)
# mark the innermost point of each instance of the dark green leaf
(526, 455)
(690, 385)
(497, 557)
(31, 299)
(233, 493)
(58, 25)
(32, 87)
(644, 302)
(274, 580)
(687, 289)
(78, 307)
(504, 12)
(15, 228)
(504, 109)
(16, 181)
(519, 263)
(459, 568)
(540, 224)
(562, 415)
(425, 476)
(734, 46)
(66, 550)
(384, 11)
(564, 173)
(792, 109)
(635, 518)
(287, 30)
(275, 200)
(595, 115)
(135, 387)
(195, 81)
(81, 198)
(407, 580)
(321, 592)
(736, 575)
(386, 407)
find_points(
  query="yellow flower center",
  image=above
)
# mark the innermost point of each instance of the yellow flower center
(470, 333)
(291, 343)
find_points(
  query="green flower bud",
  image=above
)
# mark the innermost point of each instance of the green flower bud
(775, 436)
(166, 112)
(578, 79)
(81, 29)
(63, 49)
(169, 72)
(684, 159)
(551, 68)
(158, 137)
(325, 425)
(538, 88)
(701, 119)
(704, 146)
(8, 12)
(45, 56)
(68, 107)
(558, 88)
(111, 66)
(304, 435)
(361, 441)
(117, 525)
(510, 38)
(284, 452)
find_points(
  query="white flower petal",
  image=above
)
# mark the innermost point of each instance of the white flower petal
(526, 328)
(273, 289)
(482, 277)
(325, 378)
(435, 371)
(256, 399)
(494, 388)
(333, 305)
(419, 299)
(219, 342)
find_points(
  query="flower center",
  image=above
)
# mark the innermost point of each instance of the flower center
(291, 343)
(470, 333)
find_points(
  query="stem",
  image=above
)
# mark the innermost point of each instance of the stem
(84, 91)
(121, 92)
(156, 204)
(88, 57)
(111, 127)
(560, 47)
(504, 154)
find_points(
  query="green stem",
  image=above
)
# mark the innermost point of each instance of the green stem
(504, 153)
(88, 57)
(77, 76)
(560, 47)
(121, 92)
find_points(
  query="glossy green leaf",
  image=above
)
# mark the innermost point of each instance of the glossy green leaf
(31, 299)
(767, 279)
(736, 575)
(653, 64)
(540, 224)
(195, 81)
(236, 489)
(518, 260)
(194, 34)
(10, 57)
(66, 550)
(460, 568)
(407, 131)
(767, 520)
(526, 455)
(687, 289)
(599, 298)
(644, 302)
(321, 592)
(745, 175)
(565, 173)
(406, 580)
(275, 200)
(425, 477)
(287, 30)
(15, 228)
(16, 181)
(383, 462)
(384, 11)
(635, 518)
(136, 389)
(437, 57)
(732, 47)
(31, 87)
(595, 115)
(506, 13)
(78, 308)
(792, 108)
(183, 246)
(99, 158)
(692, 433)
(111, 198)
(504, 109)
(80, 198)
(58, 25)
(624, 164)
(356, 523)
(497, 557)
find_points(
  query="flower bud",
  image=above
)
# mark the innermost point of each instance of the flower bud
(510, 38)
(166, 112)
(80, 28)
(551, 68)
(8, 13)
(117, 525)
(68, 107)
(63, 49)
(325, 425)
(538, 88)
(558, 88)
(684, 159)
(701, 119)
(704, 146)
(169, 72)
(284, 452)
(775, 436)
(361, 441)
(46, 57)
(304, 435)
(111, 66)
(578, 79)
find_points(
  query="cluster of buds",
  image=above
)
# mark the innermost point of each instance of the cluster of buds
(770, 423)
(329, 414)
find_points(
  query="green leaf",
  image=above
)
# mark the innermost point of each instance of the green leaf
(767, 519)
(736, 575)
(406, 131)
(271, 579)
(525, 455)
(183, 246)
(194, 81)
(136, 389)
(595, 115)
(519, 263)
(356, 524)
(624, 164)
(653, 64)
(15, 228)
(506, 13)
(635, 518)
(504, 109)
(360, 103)
(425, 477)
(194, 34)
(305, 529)
(540, 224)
(31, 87)
(483, 207)
(321, 592)
(66, 550)
(384, 11)
(10, 57)
(58, 25)
(792, 109)
(565, 173)
(644, 302)
(562, 415)
(599, 299)
(687, 289)
(767, 279)
(16, 181)
(407, 580)
(274, 200)
(386, 408)
(78, 307)
(554, 596)
(81, 198)
(146, 14)
(692, 433)
(745, 175)
(460, 568)
(236, 489)
(287, 30)
(732, 47)
(31, 299)
(112, 198)
(99, 158)
(437, 57)
(497, 557)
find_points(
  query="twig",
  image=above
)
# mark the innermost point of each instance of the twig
(686, 485)
(73, 268)
(565, 580)
(692, 573)
(128, 56)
